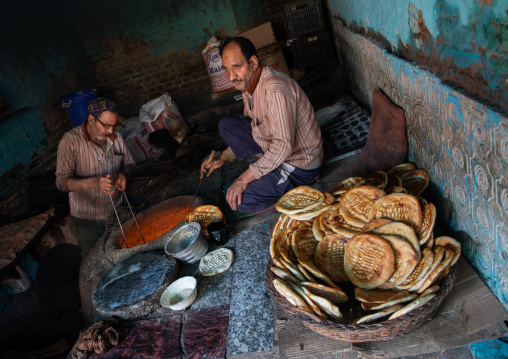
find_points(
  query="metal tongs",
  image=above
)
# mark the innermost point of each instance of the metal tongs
(118, 218)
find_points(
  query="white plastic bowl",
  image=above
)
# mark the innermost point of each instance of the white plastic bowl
(180, 294)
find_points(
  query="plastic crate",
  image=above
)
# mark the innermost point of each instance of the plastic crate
(304, 17)
(313, 49)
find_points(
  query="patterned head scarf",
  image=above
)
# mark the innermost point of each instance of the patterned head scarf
(101, 104)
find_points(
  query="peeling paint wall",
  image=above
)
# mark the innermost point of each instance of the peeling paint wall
(462, 143)
(463, 41)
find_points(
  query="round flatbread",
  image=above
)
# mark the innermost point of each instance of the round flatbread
(378, 295)
(340, 225)
(449, 243)
(324, 304)
(311, 267)
(298, 290)
(412, 306)
(205, 215)
(438, 256)
(356, 204)
(445, 263)
(432, 289)
(334, 295)
(369, 260)
(319, 234)
(377, 315)
(393, 181)
(287, 292)
(401, 230)
(406, 259)
(304, 244)
(377, 179)
(316, 211)
(278, 245)
(216, 262)
(427, 258)
(305, 273)
(428, 221)
(293, 269)
(299, 199)
(285, 275)
(348, 183)
(402, 298)
(415, 181)
(324, 218)
(329, 257)
(401, 169)
(374, 224)
(398, 207)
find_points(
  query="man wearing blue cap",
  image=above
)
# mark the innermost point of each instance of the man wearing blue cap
(93, 164)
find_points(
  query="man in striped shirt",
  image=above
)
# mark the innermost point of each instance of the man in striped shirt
(279, 128)
(93, 165)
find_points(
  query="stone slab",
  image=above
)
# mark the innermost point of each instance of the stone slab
(205, 333)
(216, 290)
(251, 324)
(132, 288)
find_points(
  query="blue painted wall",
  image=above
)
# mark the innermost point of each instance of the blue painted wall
(40, 61)
(464, 41)
(462, 143)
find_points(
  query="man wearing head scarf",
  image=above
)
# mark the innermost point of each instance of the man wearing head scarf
(93, 164)
(279, 127)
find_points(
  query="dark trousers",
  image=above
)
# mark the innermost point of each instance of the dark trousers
(88, 231)
(266, 191)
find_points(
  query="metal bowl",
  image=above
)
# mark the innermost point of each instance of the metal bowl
(187, 244)
(180, 294)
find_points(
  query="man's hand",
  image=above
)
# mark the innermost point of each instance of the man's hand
(121, 182)
(235, 191)
(211, 166)
(234, 194)
(105, 184)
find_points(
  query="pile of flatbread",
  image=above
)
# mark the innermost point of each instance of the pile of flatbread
(375, 232)
(15, 236)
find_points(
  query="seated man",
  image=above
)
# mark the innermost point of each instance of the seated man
(91, 162)
(280, 129)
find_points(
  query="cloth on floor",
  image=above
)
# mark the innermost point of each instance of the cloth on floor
(147, 339)
(99, 338)
(387, 141)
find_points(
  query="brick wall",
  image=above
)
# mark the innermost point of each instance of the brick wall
(128, 71)
(137, 77)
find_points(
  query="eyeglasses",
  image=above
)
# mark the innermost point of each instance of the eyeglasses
(106, 126)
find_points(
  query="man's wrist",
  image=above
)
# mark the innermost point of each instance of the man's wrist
(223, 158)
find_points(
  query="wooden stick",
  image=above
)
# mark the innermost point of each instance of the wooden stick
(212, 155)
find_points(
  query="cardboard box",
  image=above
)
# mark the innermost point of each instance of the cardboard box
(276, 61)
(261, 35)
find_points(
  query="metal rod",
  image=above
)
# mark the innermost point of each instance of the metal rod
(212, 154)
(133, 216)
(118, 218)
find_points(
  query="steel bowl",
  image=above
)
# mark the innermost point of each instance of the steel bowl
(187, 244)
(180, 294)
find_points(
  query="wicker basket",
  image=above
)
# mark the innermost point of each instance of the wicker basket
(344, 329)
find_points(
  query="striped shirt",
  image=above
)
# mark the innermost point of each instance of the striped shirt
(283, 123)
(79, 157)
